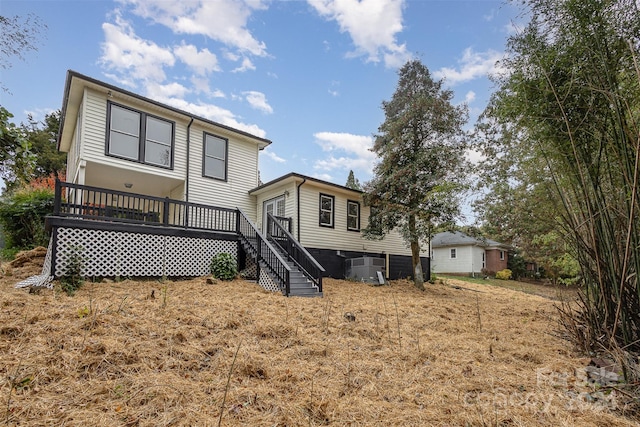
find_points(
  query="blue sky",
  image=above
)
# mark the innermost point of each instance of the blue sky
(308, 75)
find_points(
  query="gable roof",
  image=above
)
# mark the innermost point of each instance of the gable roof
(76, 82)
(296, 177)
(458, 238)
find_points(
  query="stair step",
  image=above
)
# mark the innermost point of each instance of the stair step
(306, 294)
(299, 284)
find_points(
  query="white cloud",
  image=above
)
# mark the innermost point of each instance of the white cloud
(214, 113)
(323, 176)
(231, 56)
(246, 65)
(258, 100)
(132, 57)
(221, 20)
(353, 151)
(372, 26)
(170, 90)
(271, 155)
(202, 62)
(121, 79)
(470, 97)
(141, 64)
(473, 65)
(201, 85)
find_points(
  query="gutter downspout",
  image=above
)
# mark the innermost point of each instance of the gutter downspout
(298, 205)
(186, 184)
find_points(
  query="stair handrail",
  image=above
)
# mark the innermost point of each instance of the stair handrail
(306, 262)
(276, 264)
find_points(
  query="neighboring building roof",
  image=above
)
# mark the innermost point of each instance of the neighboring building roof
(458, 238)
(70, 96)
(296, 177)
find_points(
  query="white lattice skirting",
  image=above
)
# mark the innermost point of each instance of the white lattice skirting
(116, 253)
(267, 282)
(44, 279)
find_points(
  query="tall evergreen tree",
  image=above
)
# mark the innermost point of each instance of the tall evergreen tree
(422, 150)
(353, 182)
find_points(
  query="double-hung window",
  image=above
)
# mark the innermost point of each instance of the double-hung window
(137, 136)
(454, 253)
(215, 157)
(327, 204)
(353, 215)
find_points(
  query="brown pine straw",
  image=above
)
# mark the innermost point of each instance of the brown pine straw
(114, 356)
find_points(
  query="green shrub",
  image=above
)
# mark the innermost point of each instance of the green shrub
(504, 274)
(224, 266)
(22, 217)
(72, 278)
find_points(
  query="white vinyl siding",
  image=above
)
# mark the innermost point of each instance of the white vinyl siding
(468, 259)
(312, 235)
(242, 173)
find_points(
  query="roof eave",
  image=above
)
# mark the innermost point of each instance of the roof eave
(72, 75)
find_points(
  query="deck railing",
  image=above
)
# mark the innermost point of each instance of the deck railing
(86, 202)
(296, 252)
(94, 203)
(264, 252)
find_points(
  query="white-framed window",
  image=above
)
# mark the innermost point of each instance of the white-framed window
(353, 215)
(501, 255)
(215, 157)
(137, 136)
(158, 141)
(327, 203)
(453, 253)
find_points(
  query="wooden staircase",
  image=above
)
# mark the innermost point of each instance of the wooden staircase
(289, 265)
(299, 284)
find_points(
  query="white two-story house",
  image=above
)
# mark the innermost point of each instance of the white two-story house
(156, 191)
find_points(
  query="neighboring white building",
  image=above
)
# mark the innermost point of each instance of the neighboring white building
(457, 253)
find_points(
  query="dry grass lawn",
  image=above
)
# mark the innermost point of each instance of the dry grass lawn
(184, 353)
